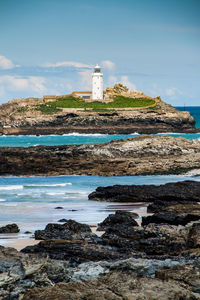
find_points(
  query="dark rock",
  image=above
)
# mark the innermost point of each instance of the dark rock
(160, 205)
(171, 217)
(176, 192)
(72, 210)
(76, 250)
(119, 218)
(108, 115)
(61, 231)
(193, 240)
(153, 240)
(177, 214)
(62, 220)
(59, 207)
(27, 232)
(10, 228)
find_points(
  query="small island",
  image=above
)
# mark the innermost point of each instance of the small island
(116, 110)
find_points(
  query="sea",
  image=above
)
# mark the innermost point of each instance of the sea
(33, 201)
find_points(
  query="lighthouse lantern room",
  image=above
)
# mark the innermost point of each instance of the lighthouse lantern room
(97, 84)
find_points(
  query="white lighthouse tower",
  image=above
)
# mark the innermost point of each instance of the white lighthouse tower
(97, 84)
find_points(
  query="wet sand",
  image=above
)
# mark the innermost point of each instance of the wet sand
(21, 243)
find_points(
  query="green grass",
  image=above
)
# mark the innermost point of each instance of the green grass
(47, 109)
(119, 102)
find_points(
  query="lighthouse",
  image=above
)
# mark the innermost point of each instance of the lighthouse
(97, 84)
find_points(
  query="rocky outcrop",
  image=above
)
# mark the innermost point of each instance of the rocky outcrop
(25, 274)
(132, 156)
(119, 218)
(161, 195)
(64, 231)
(123, 240)
(10, 228)
(85, 266)
(122, 90)
(126, 285)
(174, 217)
(76, 250)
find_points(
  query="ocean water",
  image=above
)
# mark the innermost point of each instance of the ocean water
(72, 139)
(194, 111)
(31, 201)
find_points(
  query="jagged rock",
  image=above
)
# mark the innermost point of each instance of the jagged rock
(120, 285)
(20, 272)
(10, 228)
(76, 250)
(176, 192)
(188, 274)
(160, 205)
(62, 220)
(152, 240)
(119, 218)
(193, 240)
(61, 231)
(171, 217)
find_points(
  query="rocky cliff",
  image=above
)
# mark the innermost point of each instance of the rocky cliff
(22, 116)
(132, 156)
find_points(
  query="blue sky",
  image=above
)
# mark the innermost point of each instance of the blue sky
(50, 46)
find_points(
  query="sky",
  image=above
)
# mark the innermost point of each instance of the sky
(49, 47)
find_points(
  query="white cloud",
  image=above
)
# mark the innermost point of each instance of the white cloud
(125, 80)
(86, 80)
(112, 80)
(31, 84)
(172, 92)
(108, 64)
(67, 64)
(6, 63)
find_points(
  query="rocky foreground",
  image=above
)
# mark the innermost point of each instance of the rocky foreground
(132, 156)
(21, 116)
(159, 259)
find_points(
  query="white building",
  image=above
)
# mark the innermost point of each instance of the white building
(97, 84)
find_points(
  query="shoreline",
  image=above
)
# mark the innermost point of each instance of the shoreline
(21, 242)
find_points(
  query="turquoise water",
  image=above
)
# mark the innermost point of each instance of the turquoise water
(72, 139)
(194, 111)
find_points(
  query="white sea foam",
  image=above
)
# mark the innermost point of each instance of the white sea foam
(2, 200)
(48, 185)
(135, 133)
(84, 134)
(11, 187)
(172, 133)
(54, 194)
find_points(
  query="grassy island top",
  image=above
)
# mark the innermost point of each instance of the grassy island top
(118, 102)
